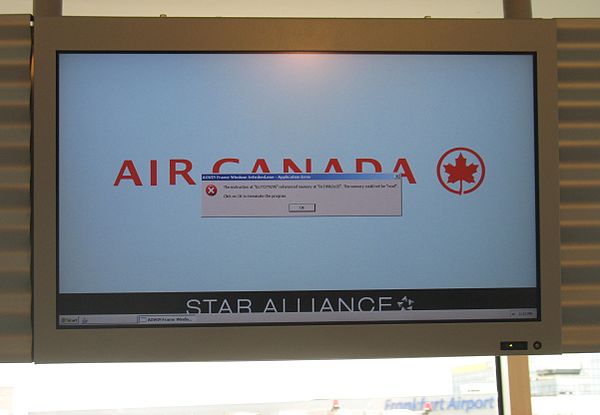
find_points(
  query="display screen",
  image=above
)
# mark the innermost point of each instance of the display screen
(296, 188)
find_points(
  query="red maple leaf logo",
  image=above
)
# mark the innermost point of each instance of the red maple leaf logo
(460, 171)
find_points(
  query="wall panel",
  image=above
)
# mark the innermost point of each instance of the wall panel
(15, 210)
(579, 135)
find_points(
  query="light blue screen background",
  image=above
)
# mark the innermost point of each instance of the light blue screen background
(203, 107)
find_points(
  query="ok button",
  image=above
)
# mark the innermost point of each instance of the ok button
(302, 207)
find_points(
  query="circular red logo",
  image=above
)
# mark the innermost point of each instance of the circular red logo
(461, 170)
(211, 190)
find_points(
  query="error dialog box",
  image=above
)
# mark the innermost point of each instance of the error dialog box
(285, 195)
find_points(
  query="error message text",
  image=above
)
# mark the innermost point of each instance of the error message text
(283, 195)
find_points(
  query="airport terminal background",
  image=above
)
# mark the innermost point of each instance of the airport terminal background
(567, 384)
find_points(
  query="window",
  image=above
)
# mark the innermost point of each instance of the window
(565, 385)
(446, 385)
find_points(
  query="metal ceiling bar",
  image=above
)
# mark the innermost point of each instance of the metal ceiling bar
(517, 9)
(47, 8)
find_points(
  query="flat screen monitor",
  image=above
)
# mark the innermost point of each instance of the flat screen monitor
(255, 188)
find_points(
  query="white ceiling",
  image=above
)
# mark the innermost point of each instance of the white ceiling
(310, 8)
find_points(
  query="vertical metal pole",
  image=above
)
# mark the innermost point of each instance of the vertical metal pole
(47, 8)
(516, 385)
(500, 386)
(517, 9)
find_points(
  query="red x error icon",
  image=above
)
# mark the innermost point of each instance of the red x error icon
(211, 190)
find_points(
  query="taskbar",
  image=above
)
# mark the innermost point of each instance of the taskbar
(201, 319)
